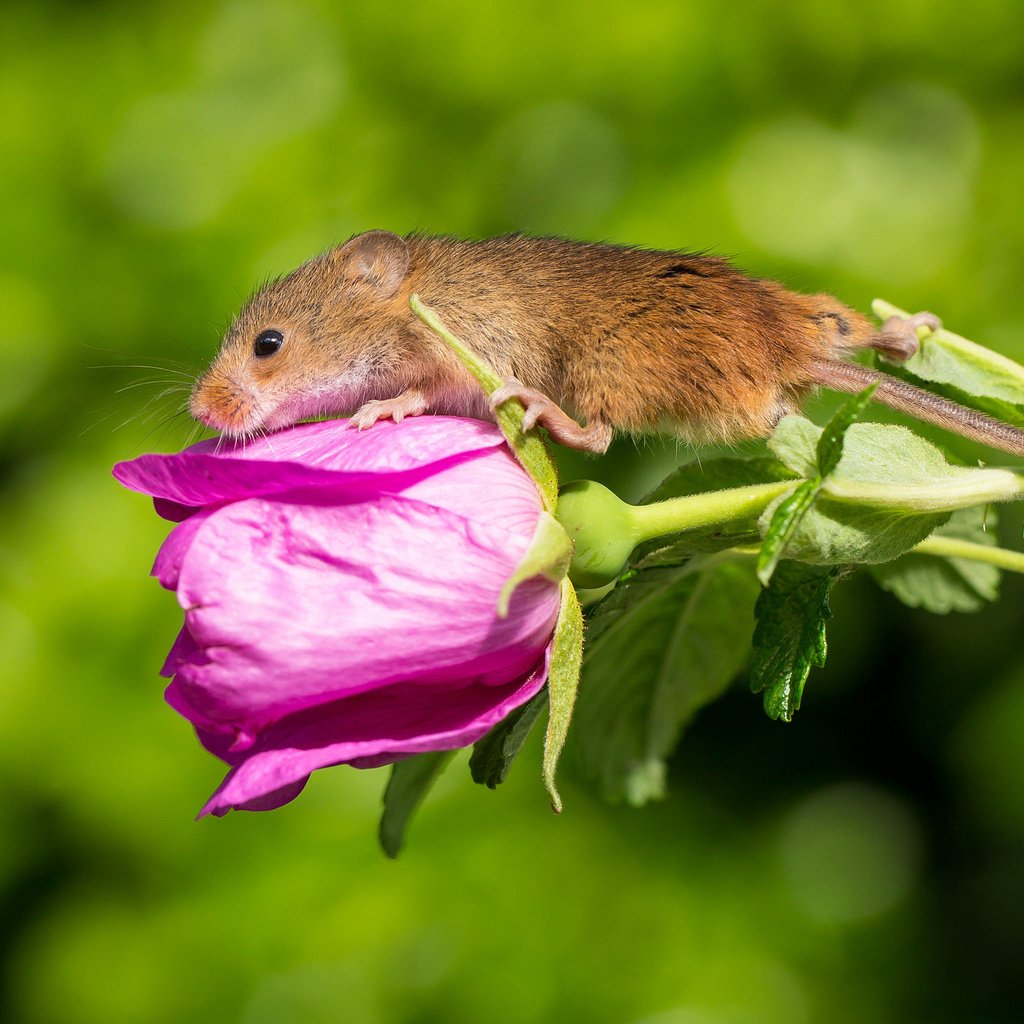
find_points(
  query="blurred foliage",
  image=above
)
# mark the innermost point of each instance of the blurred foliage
(157, 162)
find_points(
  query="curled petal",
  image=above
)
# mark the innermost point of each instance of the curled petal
(370, 729)
(309, 455)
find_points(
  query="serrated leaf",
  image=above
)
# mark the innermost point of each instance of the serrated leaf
(889, 490)
(884, 464)
(829, 449)
(943, 585)
(789, 637)
(408, 784)
(660, 646)
(794, 442)
(833, 533)
(531, 451)
(493, 755)
(786, 517)
(563, 681)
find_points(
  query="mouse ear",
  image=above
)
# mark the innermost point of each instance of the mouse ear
(378, 260)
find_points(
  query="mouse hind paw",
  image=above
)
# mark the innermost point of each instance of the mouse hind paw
(540, 410)
(898, 341)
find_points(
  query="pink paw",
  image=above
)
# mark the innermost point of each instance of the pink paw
(388, 409)
(535, 402)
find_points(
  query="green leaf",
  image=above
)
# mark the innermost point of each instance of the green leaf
(531, 451)
(660, 646)
(790, 634)
(889, 490)
(943, 585)
(794, 442)
(493, 755)
(834, 533)
(785, 519)
(890, 466)
(830, 445)
(408, 784)
(563, 680)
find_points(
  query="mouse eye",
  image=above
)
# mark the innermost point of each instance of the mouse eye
(267, 344)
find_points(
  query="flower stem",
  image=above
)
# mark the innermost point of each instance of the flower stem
(605, 529)
(692, 510)
(950, 547)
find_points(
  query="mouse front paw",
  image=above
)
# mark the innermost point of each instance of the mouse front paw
(408, 403)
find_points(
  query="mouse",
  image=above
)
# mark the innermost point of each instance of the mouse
(592, 338)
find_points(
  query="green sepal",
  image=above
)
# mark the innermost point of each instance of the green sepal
(548, 555)
(563, 681)
(494, 753)
(409, 782)
(789, 637)
(529, 449)
(602, 528)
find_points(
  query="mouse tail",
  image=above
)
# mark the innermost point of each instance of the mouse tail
(921, 404)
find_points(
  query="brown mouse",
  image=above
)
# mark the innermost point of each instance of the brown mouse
(626, 338)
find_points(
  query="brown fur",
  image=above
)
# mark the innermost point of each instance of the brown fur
(635, 339)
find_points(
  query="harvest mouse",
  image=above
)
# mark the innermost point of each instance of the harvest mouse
(625, 338)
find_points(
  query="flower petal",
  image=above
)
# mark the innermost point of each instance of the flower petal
(490, 487)
(169, 559)
(297, 604)
(371, 729)
(310, 454)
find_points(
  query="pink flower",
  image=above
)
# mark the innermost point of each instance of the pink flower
(339, 591)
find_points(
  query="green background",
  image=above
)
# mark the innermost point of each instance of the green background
(156, 162)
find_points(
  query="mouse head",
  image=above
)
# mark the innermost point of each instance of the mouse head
(323, 339)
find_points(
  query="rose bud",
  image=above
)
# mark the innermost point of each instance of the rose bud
(340, 591)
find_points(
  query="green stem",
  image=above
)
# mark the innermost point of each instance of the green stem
(950, 547)
(605, 529)
(728, 506)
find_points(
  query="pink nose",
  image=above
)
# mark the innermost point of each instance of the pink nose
(201, 411)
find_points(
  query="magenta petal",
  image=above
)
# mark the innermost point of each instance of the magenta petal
(490, 487)
(312, 454)
(183, 650)
(298, 604)
(169, 558)
(340, 593)
(401, 721)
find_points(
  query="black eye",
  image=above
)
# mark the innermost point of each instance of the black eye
(267, 344)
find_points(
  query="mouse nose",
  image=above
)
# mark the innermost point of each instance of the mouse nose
(201, 410)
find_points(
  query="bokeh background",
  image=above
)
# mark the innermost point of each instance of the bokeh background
(157, 161)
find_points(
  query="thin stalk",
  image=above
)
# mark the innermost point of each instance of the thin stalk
(693, 510)
(950, 547)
